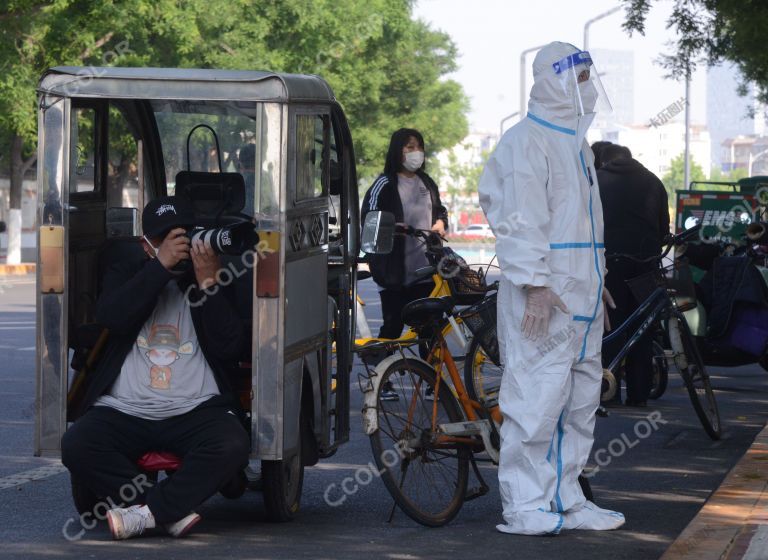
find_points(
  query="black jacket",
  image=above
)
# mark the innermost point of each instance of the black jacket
(388, 271)
(635, 210)
(131, 289)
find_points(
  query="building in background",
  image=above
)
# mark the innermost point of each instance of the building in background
(656, 146)
(749, 153)
(732, 119)
(459, 169)
(617, 74)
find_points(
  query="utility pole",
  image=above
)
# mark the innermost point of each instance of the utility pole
(505, 119)
(687, 168)
(593, 20)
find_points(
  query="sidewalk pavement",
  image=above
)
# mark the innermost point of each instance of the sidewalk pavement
(16, 269)
(733, 524)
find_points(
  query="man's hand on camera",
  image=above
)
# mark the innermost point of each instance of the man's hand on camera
(174, 248)
(206, 263)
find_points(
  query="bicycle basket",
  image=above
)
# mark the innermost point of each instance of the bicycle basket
(467, 286)
(676, 277)
(480, 319)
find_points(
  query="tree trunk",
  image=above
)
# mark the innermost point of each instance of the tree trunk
(19, 167)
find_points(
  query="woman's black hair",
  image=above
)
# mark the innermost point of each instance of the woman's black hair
(394, 161)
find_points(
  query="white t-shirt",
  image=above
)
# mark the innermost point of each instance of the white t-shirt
(417, 213)
(165, 374)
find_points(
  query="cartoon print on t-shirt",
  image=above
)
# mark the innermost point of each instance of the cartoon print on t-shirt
(163, 349)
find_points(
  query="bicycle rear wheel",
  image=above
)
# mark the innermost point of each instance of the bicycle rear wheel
(482, 377)
(427, 480)
(695, 376)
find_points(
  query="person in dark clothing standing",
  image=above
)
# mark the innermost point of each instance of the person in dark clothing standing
(636, 217)
(404, 189)
(597, 149)
(161, 382)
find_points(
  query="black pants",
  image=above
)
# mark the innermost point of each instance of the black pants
(392, 303)
(102, 447)
(638, 364)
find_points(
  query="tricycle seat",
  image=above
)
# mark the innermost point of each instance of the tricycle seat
(154, 461)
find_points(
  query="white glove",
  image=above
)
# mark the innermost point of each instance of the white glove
(539, 302)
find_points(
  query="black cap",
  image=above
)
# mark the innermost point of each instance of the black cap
(165, 213)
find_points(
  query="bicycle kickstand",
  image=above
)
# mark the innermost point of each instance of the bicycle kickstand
(477, 491)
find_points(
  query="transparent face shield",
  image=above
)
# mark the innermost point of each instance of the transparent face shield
(581, 83)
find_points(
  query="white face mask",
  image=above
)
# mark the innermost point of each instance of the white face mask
(413, 161)
(588, 93)
(154, 249)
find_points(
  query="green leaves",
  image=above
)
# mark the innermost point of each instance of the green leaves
(387, 69)
(712, 31)
(674, 179)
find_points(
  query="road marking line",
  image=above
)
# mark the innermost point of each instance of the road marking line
(17, 322)
(26, 349)
(16, 328)
(28, 476)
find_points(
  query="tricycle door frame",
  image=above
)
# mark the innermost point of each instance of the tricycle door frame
(51, 363)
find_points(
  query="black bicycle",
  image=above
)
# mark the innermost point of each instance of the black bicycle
(668, 292)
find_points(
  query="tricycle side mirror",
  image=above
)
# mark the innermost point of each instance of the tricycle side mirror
(378, 233)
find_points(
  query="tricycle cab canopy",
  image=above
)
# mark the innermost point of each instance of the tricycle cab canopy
(184, 83)
(111, 139)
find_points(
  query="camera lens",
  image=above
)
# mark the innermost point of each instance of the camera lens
(230, 240)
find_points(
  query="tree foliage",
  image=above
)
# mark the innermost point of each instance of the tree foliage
(386, 68)
(712, 31)
(674, 179)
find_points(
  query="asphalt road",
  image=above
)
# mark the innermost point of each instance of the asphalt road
(659, 481)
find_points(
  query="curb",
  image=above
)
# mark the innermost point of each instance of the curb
(17, 269)
(733, 524)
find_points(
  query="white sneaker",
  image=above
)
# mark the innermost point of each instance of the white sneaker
(593, 518)
(183, 525)
(125, 523)
(536, 522)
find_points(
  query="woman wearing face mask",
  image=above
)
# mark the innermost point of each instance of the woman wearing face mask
(412, 196)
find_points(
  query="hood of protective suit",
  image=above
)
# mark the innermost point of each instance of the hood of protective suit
(549, 100)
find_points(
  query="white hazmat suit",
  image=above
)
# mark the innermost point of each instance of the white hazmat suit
(539, 192)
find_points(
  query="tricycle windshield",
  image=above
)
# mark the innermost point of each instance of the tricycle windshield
(247, 141)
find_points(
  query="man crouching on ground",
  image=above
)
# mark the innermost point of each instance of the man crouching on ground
(160, 384)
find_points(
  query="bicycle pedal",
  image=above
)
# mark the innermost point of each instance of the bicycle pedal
(477, 492)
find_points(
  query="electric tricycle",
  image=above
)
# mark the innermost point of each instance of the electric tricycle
(272, 150)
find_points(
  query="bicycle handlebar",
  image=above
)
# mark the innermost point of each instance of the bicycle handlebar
(669, 240)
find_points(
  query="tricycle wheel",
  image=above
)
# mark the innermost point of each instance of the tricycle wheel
(283, 481)
(85, 500)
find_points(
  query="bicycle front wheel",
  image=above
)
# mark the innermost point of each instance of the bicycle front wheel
(695, 376)
(426, 478)
(660, 371)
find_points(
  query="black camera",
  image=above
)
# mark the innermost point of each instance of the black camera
(234, 239)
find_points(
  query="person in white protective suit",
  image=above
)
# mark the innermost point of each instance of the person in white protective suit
(539, 192)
